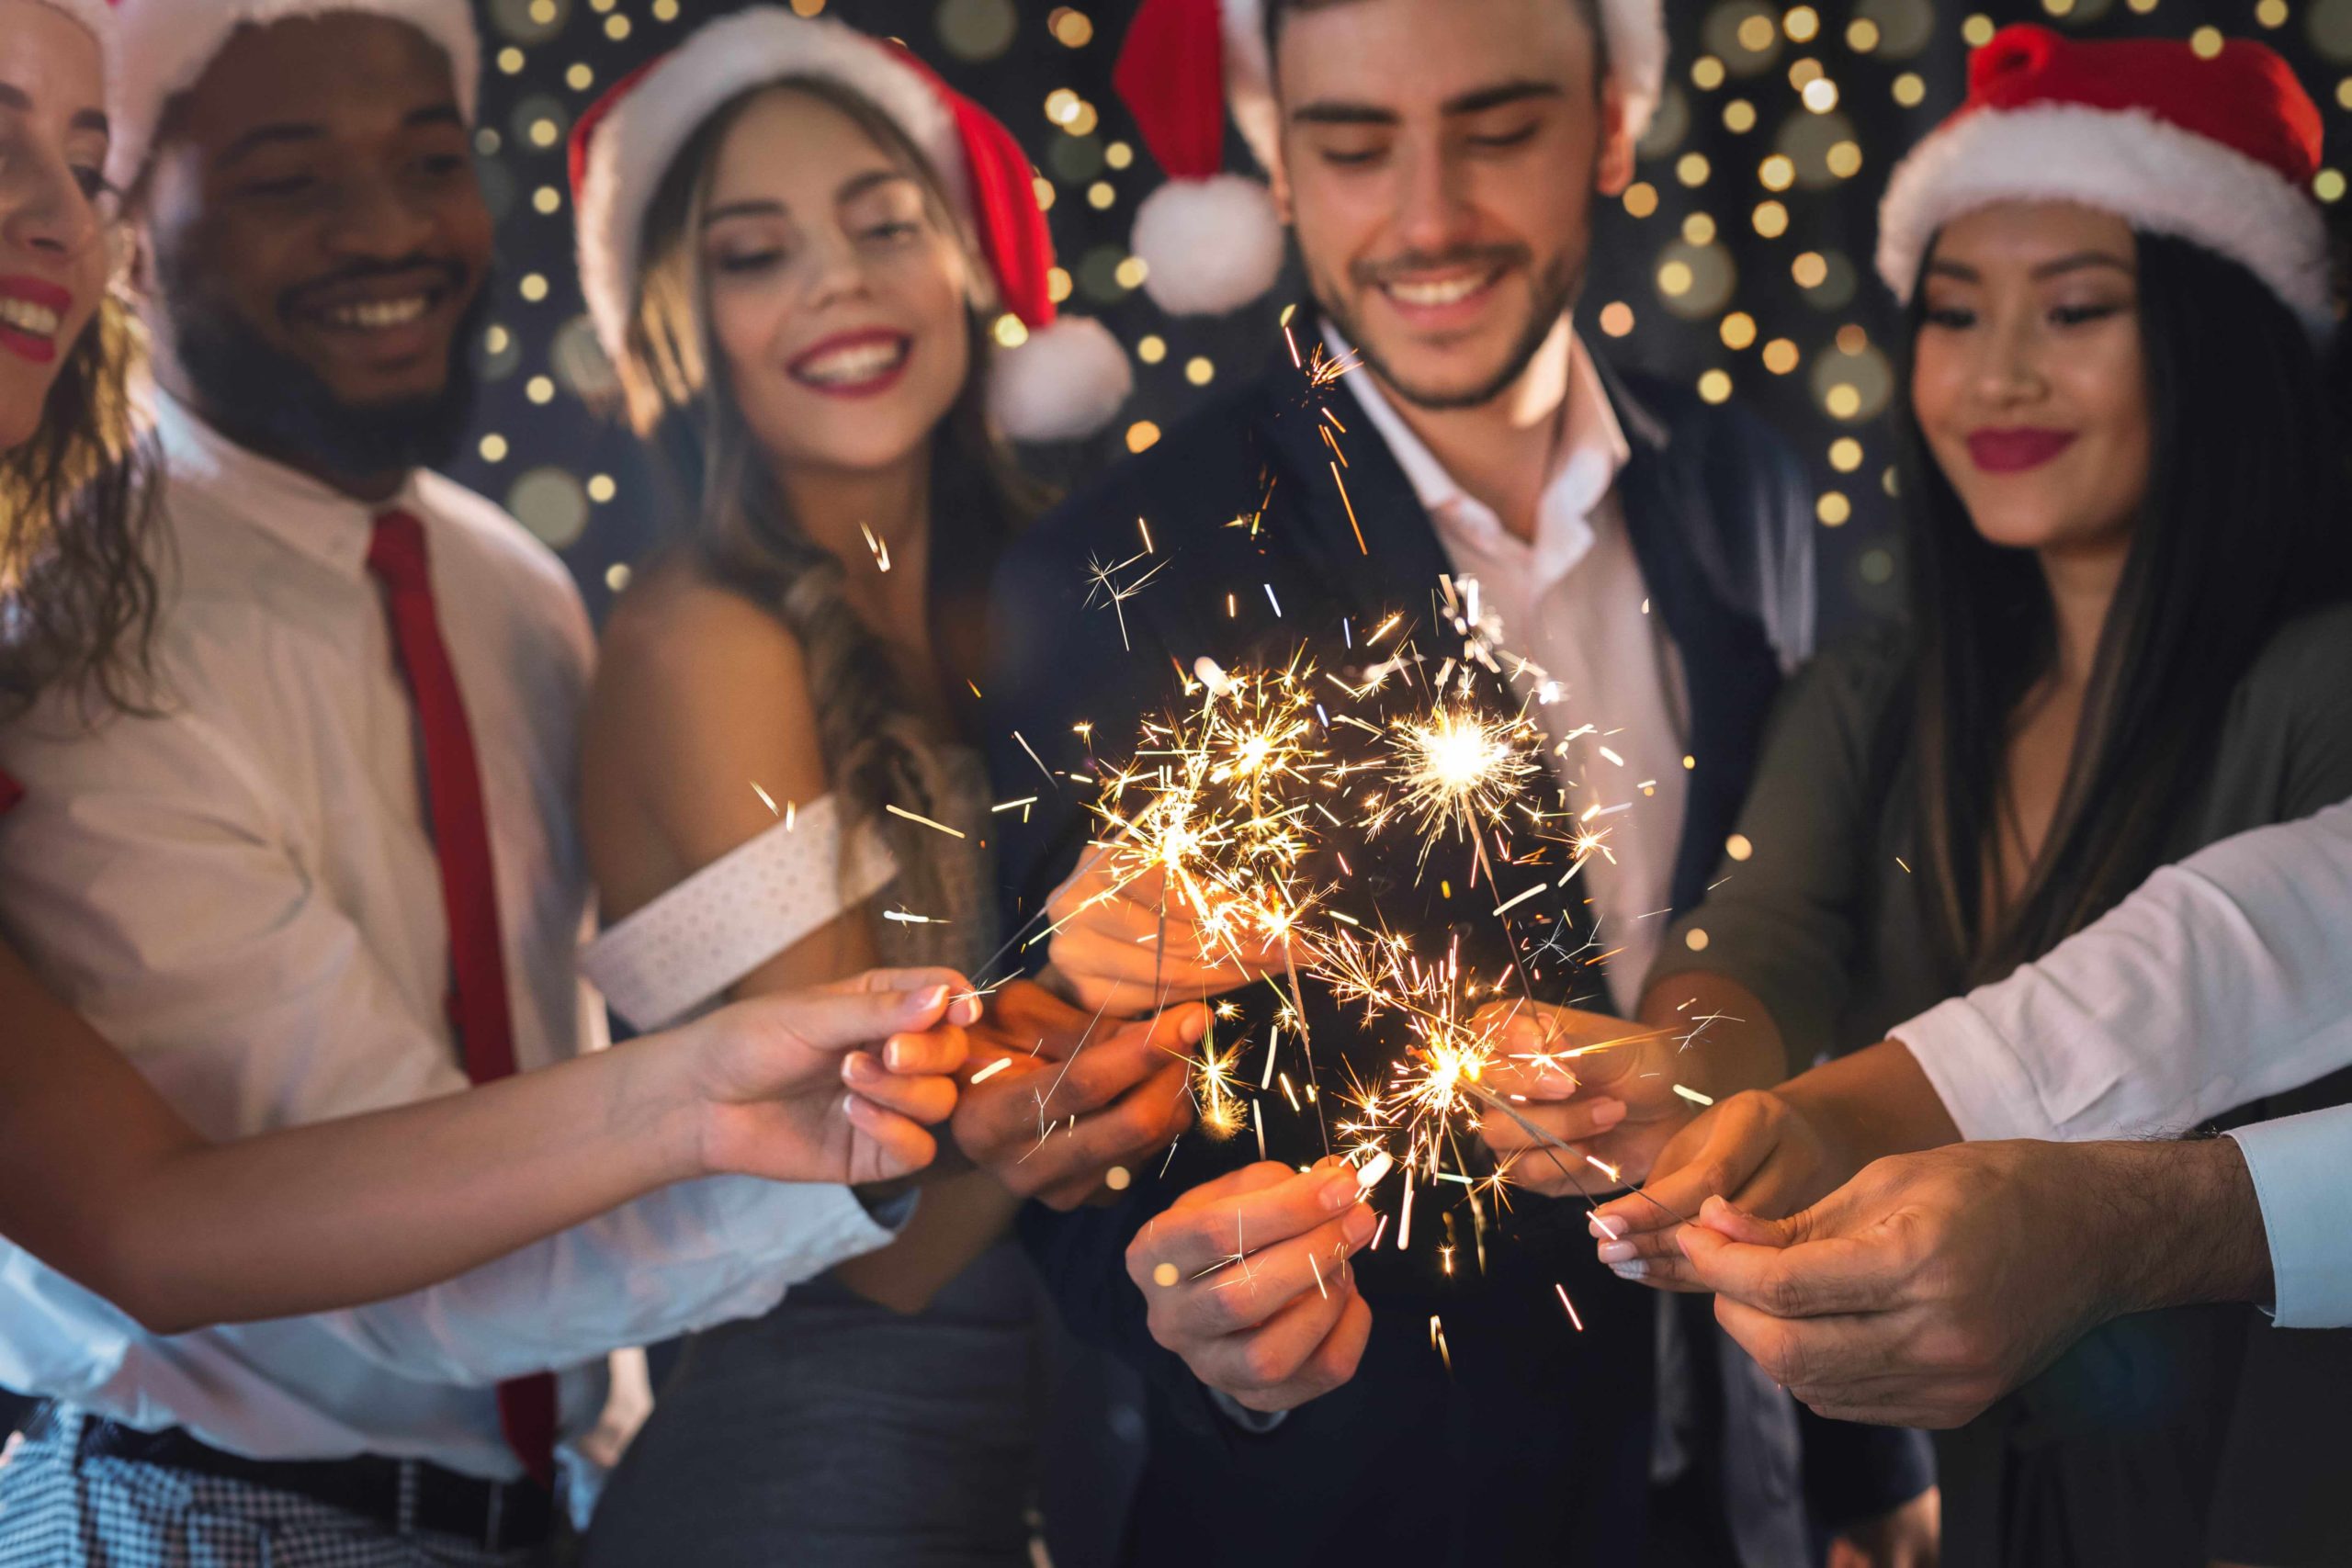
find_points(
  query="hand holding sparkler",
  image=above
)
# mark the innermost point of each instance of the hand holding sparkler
(1247, 1278)
(1127, 944)
(1606, 1086)
(1055, 1097)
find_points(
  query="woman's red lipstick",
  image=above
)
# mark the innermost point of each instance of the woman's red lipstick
(2015, 451)
(40, 348)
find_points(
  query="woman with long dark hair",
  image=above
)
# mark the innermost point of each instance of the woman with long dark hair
(99, 1175)
(810, 263)
(2128, 538)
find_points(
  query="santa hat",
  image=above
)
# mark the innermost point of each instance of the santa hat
(1066, 376)
(2220, 151)
(1212, 242)
(163, 47)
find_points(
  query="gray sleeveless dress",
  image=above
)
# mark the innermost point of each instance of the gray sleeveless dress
(839, 1433)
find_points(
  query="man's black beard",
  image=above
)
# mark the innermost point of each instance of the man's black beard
(274, 404)
(1555, 290)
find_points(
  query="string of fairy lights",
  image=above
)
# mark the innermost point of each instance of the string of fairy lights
(1737, 263)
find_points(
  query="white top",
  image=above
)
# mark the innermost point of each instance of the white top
(242, 895)
(2224, 978)
(686, 948)
(1573, 602)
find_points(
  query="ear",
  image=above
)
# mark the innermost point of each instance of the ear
(1278, 182)
(1612, 168)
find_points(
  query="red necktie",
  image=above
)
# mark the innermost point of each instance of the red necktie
(477, 1007)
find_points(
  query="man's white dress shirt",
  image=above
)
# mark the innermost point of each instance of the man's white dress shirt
(1573, 602)
(2222, 979)
(242, 894)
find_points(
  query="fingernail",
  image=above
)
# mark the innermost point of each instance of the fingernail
(966, 1010)
(858, 1068)
(1374, 1170)
(1607, 1113)
(1634, 1270)
(1340, 1189)
(895, 1054)
(1616, 1252)
(1604, 1227)
(1359, 1225)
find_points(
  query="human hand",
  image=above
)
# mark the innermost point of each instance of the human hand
(764, 1078)
(1599, 1083)
(1247, 1278)
(1126, 1084)
(1764, 1150)
(1910, 1536)
(1132, 947)
(1933, 1283)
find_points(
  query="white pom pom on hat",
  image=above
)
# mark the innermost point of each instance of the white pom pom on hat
(1212, 242)
(161, 48)
(1065, 379)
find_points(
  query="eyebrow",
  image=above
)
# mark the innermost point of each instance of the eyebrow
(1338, 111)
(296, 131)
(18, 99)
(2079, 261)
(768, 207)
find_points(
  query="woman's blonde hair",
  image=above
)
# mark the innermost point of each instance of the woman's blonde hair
(878, 749)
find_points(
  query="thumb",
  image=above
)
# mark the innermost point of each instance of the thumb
(841, 1019)
(1734, 1223)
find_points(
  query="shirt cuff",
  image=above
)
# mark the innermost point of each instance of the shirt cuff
(2298, 1165)
(1255, 1421)
(801, 1228)
(1974, 1071)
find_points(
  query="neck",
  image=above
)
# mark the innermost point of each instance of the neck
(837, 508)
(369, 490)
(2082, 583)
(1500, 452)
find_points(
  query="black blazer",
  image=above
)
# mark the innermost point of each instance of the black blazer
(1537, 1441)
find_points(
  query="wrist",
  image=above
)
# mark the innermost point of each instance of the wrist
(2188, 1223)
(661, 1112)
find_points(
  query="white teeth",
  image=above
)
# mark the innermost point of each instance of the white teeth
(375, 315)
(27, 317)
(1445, 292)
(862, 363)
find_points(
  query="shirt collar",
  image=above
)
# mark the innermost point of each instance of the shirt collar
(305, 514)
(1590, 456)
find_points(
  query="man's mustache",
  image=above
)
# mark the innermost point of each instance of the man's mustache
(1491, 258)
(451, 275)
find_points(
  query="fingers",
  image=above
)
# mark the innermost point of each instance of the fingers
(868, 1010)
(1308, 1349)
(1132, 976)
(1835, 1275)
(1195, 1238)
(920, 1099)
(888, 1145)
(1578, 1121)
(1063, 1165)
(1249, 1179)
(1711, 1158)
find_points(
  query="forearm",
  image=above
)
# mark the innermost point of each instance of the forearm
(1871, 1104)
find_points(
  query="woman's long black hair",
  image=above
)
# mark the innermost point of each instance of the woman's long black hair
(2247, 521)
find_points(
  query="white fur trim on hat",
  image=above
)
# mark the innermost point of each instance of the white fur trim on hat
(1208, 246)
(161, 48)
(1635, 31)
(1066, 381)
(2146, 171)
(633, 150)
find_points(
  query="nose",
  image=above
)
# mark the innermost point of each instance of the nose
(1430, 214)
(42, 206)
(2009, 362)
(836, 272)
(374, 217)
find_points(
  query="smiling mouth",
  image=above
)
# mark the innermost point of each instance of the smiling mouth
(378, 315)
(853, 365)
(34, 320)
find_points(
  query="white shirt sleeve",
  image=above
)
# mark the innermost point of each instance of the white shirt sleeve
(2299, 1164)
(2221, 979)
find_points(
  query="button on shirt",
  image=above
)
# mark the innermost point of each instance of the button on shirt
(243, 895)
(2222, 979)
(1573, 602)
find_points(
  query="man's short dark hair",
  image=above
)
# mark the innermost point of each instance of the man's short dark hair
(1277, 11)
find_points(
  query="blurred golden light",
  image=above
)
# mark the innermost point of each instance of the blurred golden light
(1692, 168)
(1845, 453)
(1706, 73)
(1010, 331)
(1152, 349)
(1811, 270)
(1910, 89)
(533, 287)
(616, 576)
(601, 487)
(1617, 318)
(1131, 272)
(545, 199)
(1072, 29)
(1061, 106)
(2206, 41)
(616, 26)
(1845, 159)
(1641, 199)
(1804, 73)
(1739, 117)
(1100, 195)
(1200, 370)
(806, 7)
(494, 449)
(1738, 330)
(1142, 435)
(540, 390)
(580, 78)
(1852, 339)
(1083, 122)
(1118, 154)
(1779, 357)
(1772, 219)
(2328, 184)
(1716, 386)
(1833, 509)
(1674, 279)
(1861, 35)
(1698, 229)
(1044, 189)
(1977, 30)
(1801, 24)
(1777, 172)
(1821, 94)
(1058, 284)
(666, 10)
(1842, 401)
(2059, 7)
(510, 60)
(1756, 34)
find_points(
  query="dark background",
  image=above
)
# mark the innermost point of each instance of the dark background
(1694, 276)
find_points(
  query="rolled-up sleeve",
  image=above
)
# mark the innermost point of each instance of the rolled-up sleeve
(2222, 979)
(2299, 1164)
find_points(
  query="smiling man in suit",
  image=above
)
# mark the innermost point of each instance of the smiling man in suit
(1438, 162)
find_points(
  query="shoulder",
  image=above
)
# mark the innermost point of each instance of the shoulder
(2303, 674)
(1856, 681)
(489, 540)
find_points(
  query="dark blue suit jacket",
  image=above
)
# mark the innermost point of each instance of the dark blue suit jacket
(1536, 1442)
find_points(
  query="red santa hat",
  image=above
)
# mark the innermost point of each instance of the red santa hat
(1066, 379)
(2220, 151)
(161, 48)
(1211, 241)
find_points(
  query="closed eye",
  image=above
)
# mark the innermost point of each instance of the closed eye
(1518, 138)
